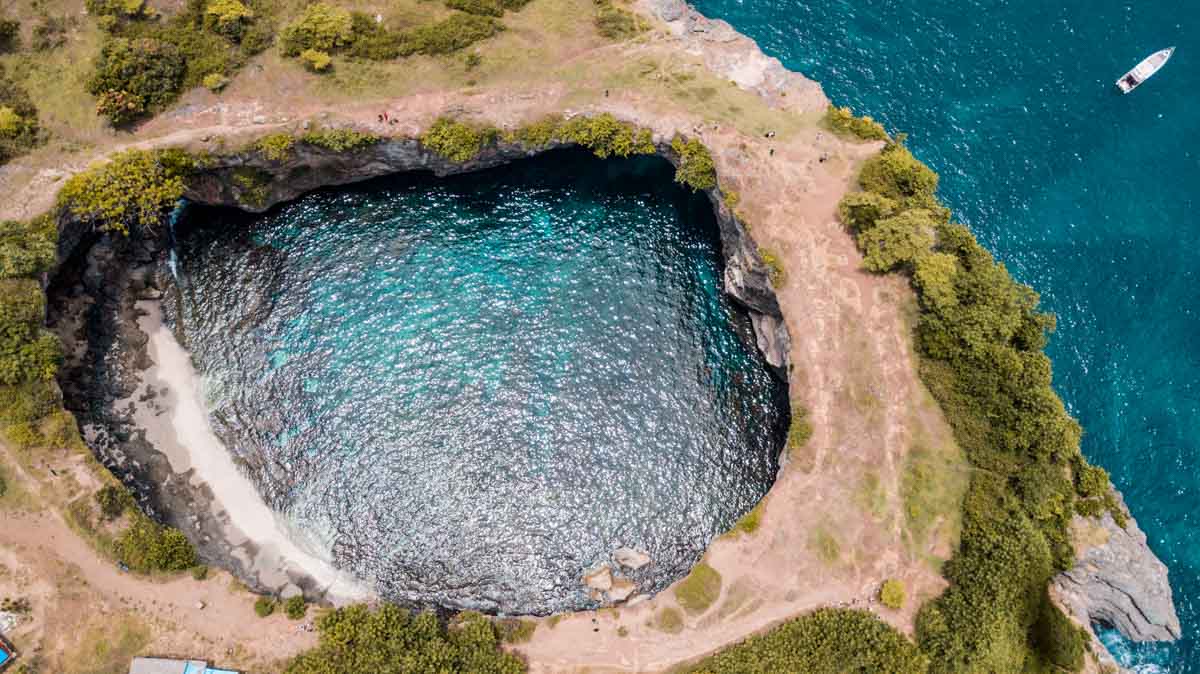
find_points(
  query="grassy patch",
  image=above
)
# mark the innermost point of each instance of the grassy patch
(516, 630)
(824, 545)
(750, 522)
(932, 484)
(871, 495)
(699, 590)
(669, 620)
(108, 648)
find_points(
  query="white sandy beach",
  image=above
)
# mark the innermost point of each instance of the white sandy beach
(187, 439)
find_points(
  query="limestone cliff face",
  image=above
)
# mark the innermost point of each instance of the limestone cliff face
(1118, 581)
(254, 183)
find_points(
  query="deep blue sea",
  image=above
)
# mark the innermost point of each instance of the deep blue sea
(472, 389)
(1089, 196)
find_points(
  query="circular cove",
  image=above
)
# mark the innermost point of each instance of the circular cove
(469, 390)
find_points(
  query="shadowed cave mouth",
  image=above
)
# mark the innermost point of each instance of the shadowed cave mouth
(472, 389)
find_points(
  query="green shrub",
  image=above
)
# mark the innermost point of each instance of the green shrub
(10, 35)
(455, 32)
(896, 174)
(113, 500)
(295, 607)
(699, 590)
(455, 140)
(27, 352)
(480, 7)
(200, 572)
(826, 640)
(253, 186)
(128, 9)
(515, 630)
(27, 249)
(257, 38)
(696, 168)
(800, 429)
(339, 140)
(227, 17)
(134, 187)
(891, 594)
(315, 61)
(276, 146)
(50, 32)
(264, 606)
(141, 74)
(843, 122)
(215, 82)
(606, 136)
(897, 242)
(147, 546)
(615, 23)
(322, 27)
(372, 41)
(20, 130)
(538, 135)
(390, 640)
(775, 271)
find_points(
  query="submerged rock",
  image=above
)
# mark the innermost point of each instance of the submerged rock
(599, 578)
(630, 558)
(1118, 581)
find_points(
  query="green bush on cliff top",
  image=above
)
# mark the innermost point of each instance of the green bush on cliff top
(134, 188)
(826, 640)
(844, 123)
(390, 640)
(455, 140)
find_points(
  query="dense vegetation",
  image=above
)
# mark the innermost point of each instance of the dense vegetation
(981, 338)
(19, 128)
(146, 62)
(390, 640)
(325, 29)
(827, 641)
(132, 188)
(616, 23)
(844, 123)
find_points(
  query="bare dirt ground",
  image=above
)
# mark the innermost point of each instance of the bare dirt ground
(90, 617)
(850, 508)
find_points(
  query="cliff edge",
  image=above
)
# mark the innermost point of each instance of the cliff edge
(1118, 581)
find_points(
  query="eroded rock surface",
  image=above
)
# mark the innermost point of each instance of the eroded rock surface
(630, 558)
(1118, 581)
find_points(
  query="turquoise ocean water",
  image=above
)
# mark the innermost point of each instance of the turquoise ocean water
(1089, 196)
(472, 389)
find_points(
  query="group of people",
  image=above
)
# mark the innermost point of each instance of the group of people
(384, 118)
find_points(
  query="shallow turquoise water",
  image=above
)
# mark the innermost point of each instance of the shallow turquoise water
(1087, 195)
(472, 389)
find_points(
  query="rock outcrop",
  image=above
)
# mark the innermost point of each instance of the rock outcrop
(1118, 581)
(736, 57)
(631, 559)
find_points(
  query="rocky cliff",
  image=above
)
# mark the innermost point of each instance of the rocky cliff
(1118, 581)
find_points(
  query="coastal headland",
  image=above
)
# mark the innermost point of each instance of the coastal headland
(873, 494)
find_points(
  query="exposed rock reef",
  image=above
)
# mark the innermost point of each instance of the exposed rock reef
(1118, 581)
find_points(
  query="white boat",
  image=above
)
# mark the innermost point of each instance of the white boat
(1142, 71)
